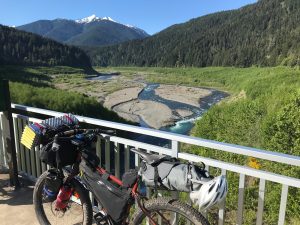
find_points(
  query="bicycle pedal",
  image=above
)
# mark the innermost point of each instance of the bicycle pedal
(100, 219)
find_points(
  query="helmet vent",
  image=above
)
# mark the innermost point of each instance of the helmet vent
(216, 197)
(212, 186)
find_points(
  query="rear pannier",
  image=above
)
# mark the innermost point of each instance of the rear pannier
(174, 175)
(114, 199)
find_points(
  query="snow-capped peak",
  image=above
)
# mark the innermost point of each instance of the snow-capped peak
(130, 26)
(93, 18)
(88, 19)
(108, 18)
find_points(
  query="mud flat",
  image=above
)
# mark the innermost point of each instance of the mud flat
(155, 114)
(118, 97)
(184, 94)
(184, 113)
(159, 106)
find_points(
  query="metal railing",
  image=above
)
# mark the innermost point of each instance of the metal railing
(29, 162)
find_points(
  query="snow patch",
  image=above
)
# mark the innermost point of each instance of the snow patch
(108, 18)
(93, 18)
(130, 26)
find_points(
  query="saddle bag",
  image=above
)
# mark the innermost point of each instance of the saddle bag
(113, 198)
(173, 175)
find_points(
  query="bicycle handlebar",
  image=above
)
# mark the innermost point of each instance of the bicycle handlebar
(81, 131)
(69, 133)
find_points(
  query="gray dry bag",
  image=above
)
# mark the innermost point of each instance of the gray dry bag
(173, 175)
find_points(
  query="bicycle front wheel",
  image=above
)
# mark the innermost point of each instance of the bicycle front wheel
(168, 211)
(77, 212)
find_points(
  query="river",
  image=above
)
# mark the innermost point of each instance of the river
(183, 126)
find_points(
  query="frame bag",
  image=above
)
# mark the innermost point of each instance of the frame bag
(114, 199)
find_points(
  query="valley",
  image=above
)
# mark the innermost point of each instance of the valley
(132, 97)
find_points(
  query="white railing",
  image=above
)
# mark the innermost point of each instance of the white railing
(111, 148)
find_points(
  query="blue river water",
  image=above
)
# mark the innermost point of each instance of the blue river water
(182, 126)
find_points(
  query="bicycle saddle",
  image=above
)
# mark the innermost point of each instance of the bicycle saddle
(150, 159)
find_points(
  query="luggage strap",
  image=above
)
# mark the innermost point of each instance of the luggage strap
(157, 180)
(189, 176)
(105, 176)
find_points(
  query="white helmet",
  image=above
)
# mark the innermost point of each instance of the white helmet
(210, 193)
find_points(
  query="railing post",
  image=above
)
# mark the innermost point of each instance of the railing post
(2, 145)
(38, 161)
(261, 199)
(117, 160)
(17, 141)
(283, 201)
(22, 148)
(8, 133)
(127, 157)
(98, 149)
(107, 154)
(222, 206)
(175, 195)
(241, 200)
(175, 148)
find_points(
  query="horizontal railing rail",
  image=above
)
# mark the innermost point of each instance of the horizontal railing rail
(109, 150)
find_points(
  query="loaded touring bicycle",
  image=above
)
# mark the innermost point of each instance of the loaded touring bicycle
(61, 194)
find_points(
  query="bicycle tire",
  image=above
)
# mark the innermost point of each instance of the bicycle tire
(170, 205)
(83, 197)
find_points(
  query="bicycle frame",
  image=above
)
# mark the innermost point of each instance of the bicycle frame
(116, 180)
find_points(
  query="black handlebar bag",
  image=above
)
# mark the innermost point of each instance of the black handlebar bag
(65, 153)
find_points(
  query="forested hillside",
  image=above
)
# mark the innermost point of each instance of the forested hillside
(266, 34)
(22, 48)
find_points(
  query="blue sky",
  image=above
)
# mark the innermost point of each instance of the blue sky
(150, 15)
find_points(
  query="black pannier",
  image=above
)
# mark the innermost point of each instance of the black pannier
(173, 175)
(114, 199)
(67, 153)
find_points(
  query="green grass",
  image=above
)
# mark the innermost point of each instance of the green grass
(263, 111)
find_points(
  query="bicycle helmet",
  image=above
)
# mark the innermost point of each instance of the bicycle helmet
(210, 193)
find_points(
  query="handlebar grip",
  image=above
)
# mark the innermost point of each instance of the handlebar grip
(70, 132)
(55, 145)
(108, 132)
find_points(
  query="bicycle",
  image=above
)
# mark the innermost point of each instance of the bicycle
(74, 206)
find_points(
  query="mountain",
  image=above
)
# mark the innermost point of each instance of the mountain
(89, 31)
(22, 48)
(266, 33)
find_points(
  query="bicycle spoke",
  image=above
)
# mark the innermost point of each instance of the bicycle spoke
(72, 215)
(166, 218)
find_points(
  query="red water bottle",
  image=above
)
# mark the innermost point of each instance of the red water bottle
(63, 197)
